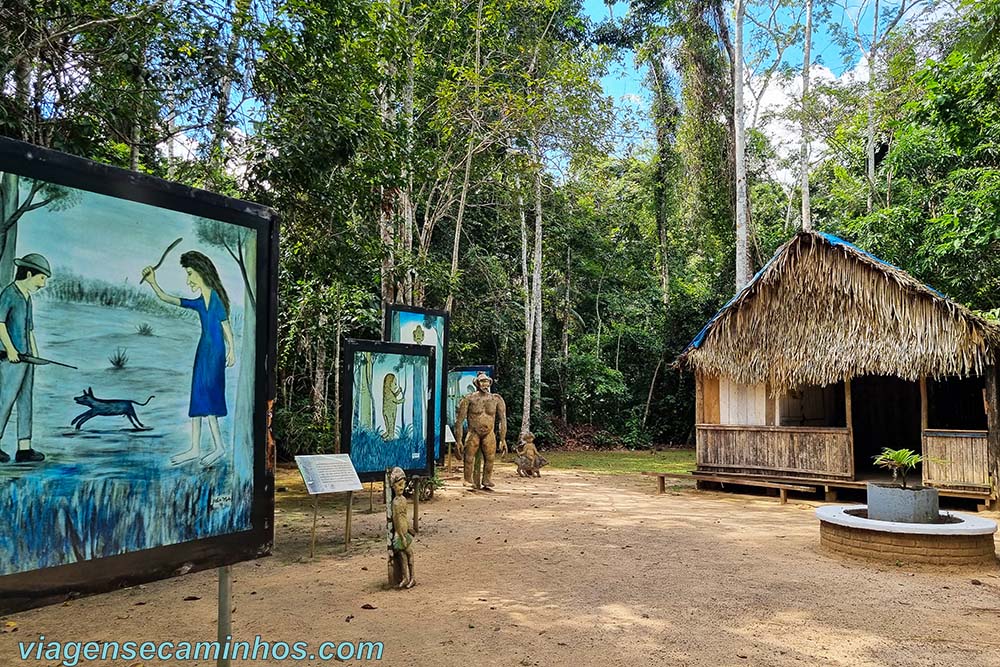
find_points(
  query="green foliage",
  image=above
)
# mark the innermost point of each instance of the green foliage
(594, 390)
(297, 432)
(899, 461)
(364, 123)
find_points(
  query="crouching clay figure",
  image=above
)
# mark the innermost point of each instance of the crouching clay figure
(483, 410)
(400, 534)
(529, 461)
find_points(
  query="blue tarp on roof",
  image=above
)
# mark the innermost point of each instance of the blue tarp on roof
(829, 238)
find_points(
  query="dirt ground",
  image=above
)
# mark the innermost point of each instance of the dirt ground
(574, 568)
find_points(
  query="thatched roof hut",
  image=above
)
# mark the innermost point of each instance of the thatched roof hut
(829, 355)
(822, 310)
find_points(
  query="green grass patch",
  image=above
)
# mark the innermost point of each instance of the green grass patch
(623, 462)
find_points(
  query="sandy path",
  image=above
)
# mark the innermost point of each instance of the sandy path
(570, 569)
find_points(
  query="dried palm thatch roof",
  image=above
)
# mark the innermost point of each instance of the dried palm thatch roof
(822, 310)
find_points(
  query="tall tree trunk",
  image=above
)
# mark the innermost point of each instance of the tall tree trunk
(563, 410)
(529, 318)
(386, 235)
(536, 289)
(870, 141)
(666, 114)
(804, 150)
(652, 387)
(318, 393)
(225, 89)
(742, 205)
(336, 380)
(406, 194)
(449, 303)
(597, 311)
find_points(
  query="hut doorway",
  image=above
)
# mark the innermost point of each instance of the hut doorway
(885, 412)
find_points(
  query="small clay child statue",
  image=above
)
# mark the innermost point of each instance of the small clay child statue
(529, 461)
(402, 539)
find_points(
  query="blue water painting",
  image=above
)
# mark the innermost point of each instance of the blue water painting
(425, 329)
(112, 486)
(389, 422)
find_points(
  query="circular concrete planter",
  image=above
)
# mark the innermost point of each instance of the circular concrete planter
(910, 505)
(967, 541)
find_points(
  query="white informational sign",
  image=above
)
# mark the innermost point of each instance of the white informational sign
(328, 473)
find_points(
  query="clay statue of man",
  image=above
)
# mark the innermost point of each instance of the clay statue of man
(402, 533)
(482, 409)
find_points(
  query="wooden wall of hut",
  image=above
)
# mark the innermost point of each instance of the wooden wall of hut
(774, 450)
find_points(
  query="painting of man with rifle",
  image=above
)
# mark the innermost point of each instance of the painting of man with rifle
(17, 334)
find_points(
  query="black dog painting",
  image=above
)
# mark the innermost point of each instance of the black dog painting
(107, 407)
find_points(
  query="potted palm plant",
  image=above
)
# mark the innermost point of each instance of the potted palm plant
(897, 501)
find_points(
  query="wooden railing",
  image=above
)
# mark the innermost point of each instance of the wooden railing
(956, 458)
(776, 449)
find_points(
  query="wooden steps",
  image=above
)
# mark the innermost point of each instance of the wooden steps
(801, 484)
(783, 487)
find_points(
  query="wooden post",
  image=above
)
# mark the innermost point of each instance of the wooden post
(312, 544)
(699, 399)
(417, 483)
(347, 526)
(923, 405)
(783, 494)
(770, 398)
(849, 421)
(923, 422)
(993, 426)
(661, 484)
(225, 632)
(371, 497)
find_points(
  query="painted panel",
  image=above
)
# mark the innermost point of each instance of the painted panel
(387, 419)
(136, 321)
(419, 326)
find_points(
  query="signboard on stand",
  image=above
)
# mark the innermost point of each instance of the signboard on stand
(328, 473)
(324, 474)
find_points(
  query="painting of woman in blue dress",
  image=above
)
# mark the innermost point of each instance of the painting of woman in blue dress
(215, 352)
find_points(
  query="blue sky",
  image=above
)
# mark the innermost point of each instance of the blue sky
(625, 79)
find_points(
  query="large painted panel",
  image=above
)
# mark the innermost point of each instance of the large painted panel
(419, 326)
(460, 384)
(136, 317)
(387, 419)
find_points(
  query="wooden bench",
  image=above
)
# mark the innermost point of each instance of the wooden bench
(783, 488)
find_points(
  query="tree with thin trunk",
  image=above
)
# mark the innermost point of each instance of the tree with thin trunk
(529, 315)
(739, 113)
(536, 296)
(870, 51)
(804, 150)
